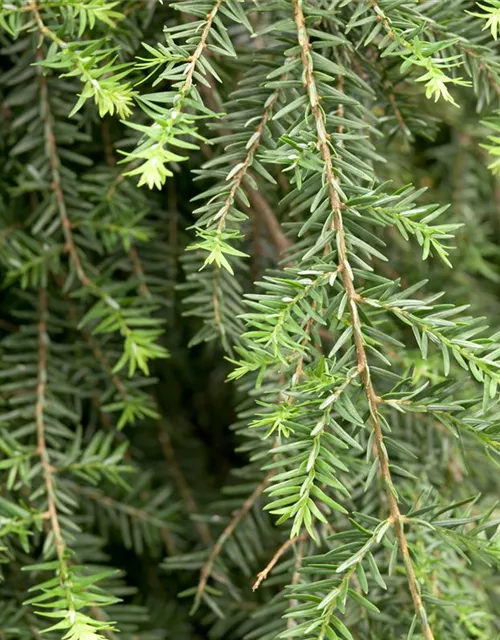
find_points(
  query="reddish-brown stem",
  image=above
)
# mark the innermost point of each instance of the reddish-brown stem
(207, 568)
(238, 178)
(54, 163)
(353, 300)
(193, 60)
(139, 272)
(47, 469)
(272, 563)
(259, 204)
(262, 209)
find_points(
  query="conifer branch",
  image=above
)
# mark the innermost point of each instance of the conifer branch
(259, 205)
(415, 53)
(76, 621)
(48, 471)
(207, 568)
(200, 48)
(353, 299)
(139, 272)
(56, 179)
(238, 177)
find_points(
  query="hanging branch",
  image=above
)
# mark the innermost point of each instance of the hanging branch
(260, 207)
(353, 300)
(207, 568)
(48, 471)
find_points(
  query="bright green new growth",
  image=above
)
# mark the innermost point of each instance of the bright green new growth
(283, 208)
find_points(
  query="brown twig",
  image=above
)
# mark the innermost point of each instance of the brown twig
(56, 185)
(272, 563)
(382, 18)
(240, 175)
(258, 202)
(193, 60)
(394, 105)
(54, 163)
(47, 469)
(207, 568)
(353, 300)
(139, 272)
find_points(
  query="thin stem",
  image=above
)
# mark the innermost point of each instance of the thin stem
(260, 206)
(56, 181)
(263, 210)
(189, 71)
(353, 298)
(225, 535)
(272, 563)
(193, 60)
(55, 164)
(243, 171)
(139, 272)
(237, 181)
(48, 471)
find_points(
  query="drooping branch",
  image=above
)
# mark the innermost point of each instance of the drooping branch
(54, 162)
(353, 298)
(42, 450)
(259, 204)
(242, 172)
(200, 48)
(48, 471)
(207, 568)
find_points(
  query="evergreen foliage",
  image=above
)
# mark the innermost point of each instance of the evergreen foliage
(249, 337)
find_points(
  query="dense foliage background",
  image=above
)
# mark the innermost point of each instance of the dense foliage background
(241, 392)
